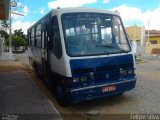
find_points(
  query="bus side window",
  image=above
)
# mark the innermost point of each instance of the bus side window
(56, 43)
(38, 35)
(43, 39)
(28, 37)
(32, 42)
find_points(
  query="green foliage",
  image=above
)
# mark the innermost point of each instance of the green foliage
(20, 33)
(18, 38)
(18, 41)
(4, 33)
(4, 23)
(7, 42)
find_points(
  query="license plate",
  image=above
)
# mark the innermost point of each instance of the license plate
(109, 88)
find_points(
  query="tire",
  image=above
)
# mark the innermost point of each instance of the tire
(60, 95)
(36, 70)
(120, 94)
(47, 78)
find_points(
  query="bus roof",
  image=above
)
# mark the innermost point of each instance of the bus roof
(82, 9)
(60, 11)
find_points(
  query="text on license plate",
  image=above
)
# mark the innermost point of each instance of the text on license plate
(109, 88)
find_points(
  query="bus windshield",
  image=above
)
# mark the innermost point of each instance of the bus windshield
(94, 34)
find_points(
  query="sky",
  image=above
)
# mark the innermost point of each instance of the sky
(133, 12)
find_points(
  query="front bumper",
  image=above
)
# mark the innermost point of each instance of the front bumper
(95, 91)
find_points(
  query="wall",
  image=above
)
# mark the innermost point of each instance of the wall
(155, 38)
(152, 48)
(1, 46)
(136, 33)
(4, 9)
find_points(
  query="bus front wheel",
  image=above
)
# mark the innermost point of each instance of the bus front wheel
(36, 70)
(60, 95)
(48, 80)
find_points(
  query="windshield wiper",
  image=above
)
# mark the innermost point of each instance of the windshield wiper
(112, 47)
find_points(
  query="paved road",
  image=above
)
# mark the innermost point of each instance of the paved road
(145, 98)
(21, 97)
(23, 58)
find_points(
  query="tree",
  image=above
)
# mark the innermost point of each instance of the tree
(20, 33)
(4, 23)
(18, 38)
(17, 41)
(5, 34)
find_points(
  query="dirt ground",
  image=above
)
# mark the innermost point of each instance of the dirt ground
(145, 98)
(9, 66)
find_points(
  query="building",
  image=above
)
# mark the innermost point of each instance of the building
(4, 9)
(144, 41)
(153, 42)
(4, 14)
(137, 37)
(153, 36)
(136, 34)
(1, 44)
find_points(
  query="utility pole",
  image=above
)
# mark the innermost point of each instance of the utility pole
(148, 29)
(12, 4)
(10, 32)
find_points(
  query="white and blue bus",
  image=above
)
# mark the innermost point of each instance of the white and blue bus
(82, 53)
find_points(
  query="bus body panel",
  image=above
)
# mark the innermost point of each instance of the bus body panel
(57, 65)
(101, 72)
(100, 63)
(82, 77)
(94, 92)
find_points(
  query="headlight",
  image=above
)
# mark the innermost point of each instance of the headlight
(123, 72)
(75, 80)
(80, 79)
(130, 72)
(126, 72)
(83, 79)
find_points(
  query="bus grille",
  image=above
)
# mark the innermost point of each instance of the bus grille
(101, 72)
(85, 70)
